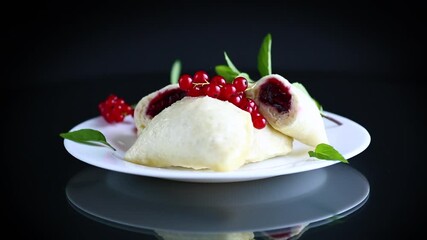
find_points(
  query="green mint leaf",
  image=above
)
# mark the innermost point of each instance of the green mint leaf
(175, 71)
(264, 57)
(232, 72)
(304, 90)
(226, 72)
(230, 64)
(327, 152)
(86, 136)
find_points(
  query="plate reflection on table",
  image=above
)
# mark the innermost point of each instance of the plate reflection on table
(275, 208)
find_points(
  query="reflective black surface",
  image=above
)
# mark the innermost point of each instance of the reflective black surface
(288, 205)
(144, 203)
(361, 61)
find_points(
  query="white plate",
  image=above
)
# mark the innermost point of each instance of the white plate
(349, 139)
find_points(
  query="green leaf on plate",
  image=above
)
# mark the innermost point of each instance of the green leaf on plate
(226, 72)
(264, 57)
(86, 136)
(327, 152)
(175, 71)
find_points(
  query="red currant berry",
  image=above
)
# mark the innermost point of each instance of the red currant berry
(240, 83)
(235, 99)
(114, 109)
(212, 90)
(243, 102)
(120, 102)
(109, 117)
(185, 82)
(111, 98)
(118, 113)
(227, 91)
(201, 77)
(128, 109)
(251, 103)
(195, 91)
(219, 80)
(258, 120)
(111, 101)
(248, 109)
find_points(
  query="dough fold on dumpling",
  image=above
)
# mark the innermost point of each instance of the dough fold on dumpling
(268, 143)
(195, 132)
(290, 111)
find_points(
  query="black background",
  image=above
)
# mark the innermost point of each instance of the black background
(74, 41)
(59, 59)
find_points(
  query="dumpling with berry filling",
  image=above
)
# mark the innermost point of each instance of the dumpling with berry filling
(197, 133)
(152, 104)
(268, 143)
(289, 110)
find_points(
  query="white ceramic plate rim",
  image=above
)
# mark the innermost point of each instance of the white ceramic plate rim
(349, 139)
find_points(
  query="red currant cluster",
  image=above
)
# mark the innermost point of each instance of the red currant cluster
(217, 87)
(114, 109)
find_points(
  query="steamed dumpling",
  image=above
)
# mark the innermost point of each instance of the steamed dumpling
(195, 132)
(289, 110)
(268, 143)
(150, 105)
